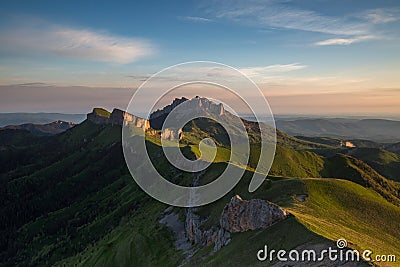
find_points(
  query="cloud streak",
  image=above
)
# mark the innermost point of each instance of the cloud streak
(380, 15)
(196, 19)
(82, 44)
(345, 29)
(198, 73)
(271, 69)
(274, 14)
(344, 41)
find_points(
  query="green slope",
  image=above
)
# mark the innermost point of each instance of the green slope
(385, 162)
(73, 202)
(333, 209)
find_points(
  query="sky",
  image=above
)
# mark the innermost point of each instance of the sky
(307, 56)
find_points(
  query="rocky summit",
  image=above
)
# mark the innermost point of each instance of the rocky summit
(158, 117)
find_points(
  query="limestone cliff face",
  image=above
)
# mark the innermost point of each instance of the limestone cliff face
(167, 109)
(122, 118)
(214, 236)
(171, 134)
(200, 105)
(204, 103)
(117, 117)
(238, 216)
(97, 117)
(242, 215)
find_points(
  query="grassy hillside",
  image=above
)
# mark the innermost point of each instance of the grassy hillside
(339, 208)
(333, 209)
(352, 169)
(71, 201)
(385, 162)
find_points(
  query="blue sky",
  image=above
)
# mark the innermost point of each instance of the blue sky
(332, 56)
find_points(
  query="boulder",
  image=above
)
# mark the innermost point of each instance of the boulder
(243, 215)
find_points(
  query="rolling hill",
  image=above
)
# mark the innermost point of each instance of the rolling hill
(379, 130)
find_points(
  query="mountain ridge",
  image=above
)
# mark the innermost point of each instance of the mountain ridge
(78, 205)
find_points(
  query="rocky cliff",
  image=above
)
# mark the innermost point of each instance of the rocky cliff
(167, 109)
(117, 117)
(171, 134)
(158, 117)
(238, 216)
(243, 215)
(205, 104)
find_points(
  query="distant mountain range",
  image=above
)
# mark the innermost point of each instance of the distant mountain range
(379, 130)
(51, 128)
(38, 118)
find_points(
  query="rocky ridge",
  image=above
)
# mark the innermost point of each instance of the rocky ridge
(197, 103)
(157, 118)
(117, 117)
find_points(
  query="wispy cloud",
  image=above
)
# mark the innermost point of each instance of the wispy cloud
(344, 29)
(345, 41)
(380, 15)
(277, 14)
(198, 73)
(196, 19)
(83, 44)
(271, 69)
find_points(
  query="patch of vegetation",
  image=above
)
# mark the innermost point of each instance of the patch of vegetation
(102, 112)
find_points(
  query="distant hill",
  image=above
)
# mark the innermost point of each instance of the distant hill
(394, 147)
(379, 130)
(38, 118)
(54, 127)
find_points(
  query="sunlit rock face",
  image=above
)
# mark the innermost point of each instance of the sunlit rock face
(117, 117)
(171, 134)
(243, 215)
(198, 105)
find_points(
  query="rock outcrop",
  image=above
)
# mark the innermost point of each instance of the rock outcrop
(243, 215)
(172, 134)
(238, 216)
(117, 117)
(200, 105)
(215, 235)
(167, 109)
(205, 104)
(99, 116)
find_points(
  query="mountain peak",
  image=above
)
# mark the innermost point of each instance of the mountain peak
(158, 117)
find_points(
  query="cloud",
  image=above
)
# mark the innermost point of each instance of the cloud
(75, 43)
(380, 15)
(343, 29)
(344, 41)
(271, 69)
(276, 14)
(196, 19)
(37, 84)
(183, 73)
